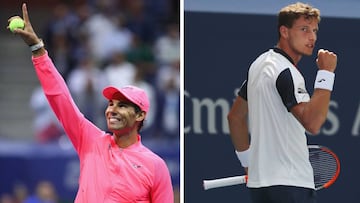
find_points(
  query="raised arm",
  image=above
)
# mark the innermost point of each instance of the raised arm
(28, 34)
(75, 125)
(313, 114)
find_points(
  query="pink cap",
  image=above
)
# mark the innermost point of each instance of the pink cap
(133, 94)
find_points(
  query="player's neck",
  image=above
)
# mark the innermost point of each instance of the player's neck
(290, 52)
(126, 137)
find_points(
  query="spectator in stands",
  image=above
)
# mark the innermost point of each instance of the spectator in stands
(140, 22)
(120, 72)
(46, 126)
(168, 83)
(114, 167)
(167, 46)
(119, 39)
(20, 192)
(85, 83)
(59, 38)
(45, 193)
(142, 56)
(102, 25)
(150, 129)
(7, 198)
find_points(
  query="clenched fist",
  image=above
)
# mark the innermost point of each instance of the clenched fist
(326, 60)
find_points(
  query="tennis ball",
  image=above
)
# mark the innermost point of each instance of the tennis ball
(16, 23)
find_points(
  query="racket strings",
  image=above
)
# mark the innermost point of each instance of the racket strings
(325, 166)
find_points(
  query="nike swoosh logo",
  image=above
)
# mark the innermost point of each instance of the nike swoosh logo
(321, 80)
(136, 166)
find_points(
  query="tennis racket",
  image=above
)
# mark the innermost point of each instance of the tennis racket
(325, 163)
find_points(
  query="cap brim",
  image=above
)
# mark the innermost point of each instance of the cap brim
(134, 95)
(113, 93)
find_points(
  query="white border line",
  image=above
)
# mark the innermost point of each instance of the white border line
(182, 109)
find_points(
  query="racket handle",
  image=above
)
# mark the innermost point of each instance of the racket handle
(223, 182)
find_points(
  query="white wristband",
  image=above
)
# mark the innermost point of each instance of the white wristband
(324, 80)
(243, 157)
(37, 46)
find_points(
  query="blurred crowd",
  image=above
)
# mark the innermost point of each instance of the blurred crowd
(44, 192)
(114, 42)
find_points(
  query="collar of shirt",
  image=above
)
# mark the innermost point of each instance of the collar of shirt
(132, 147)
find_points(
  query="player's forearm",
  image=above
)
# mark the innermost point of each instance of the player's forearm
(318, 108)
(313, 113)
(239, 134)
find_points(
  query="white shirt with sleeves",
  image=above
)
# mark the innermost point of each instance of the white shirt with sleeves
(278, 153)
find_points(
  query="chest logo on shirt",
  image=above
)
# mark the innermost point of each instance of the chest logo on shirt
(301, 91)
(136, 166)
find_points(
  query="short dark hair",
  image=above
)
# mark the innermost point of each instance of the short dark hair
(138, 110)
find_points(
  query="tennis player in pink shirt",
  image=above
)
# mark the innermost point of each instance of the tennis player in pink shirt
(113, 168)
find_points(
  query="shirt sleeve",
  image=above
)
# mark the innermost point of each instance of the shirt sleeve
(291, 89)
(162, 190)
(243, 90)
(76, 126)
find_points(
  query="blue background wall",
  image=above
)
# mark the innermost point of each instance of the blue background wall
(219, 48)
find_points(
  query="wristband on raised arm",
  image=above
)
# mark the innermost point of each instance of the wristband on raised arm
(324, 80)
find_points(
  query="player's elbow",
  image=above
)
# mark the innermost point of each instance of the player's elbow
(234, 117)
(313, 127)
(313, 131)
(312, 123)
